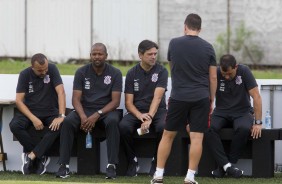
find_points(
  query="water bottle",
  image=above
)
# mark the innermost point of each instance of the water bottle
(140, 132)
(88, 140)
(267, 123)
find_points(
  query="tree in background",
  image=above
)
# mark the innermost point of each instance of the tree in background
(241, 44)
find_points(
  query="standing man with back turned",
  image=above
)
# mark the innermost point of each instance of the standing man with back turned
(145, 87)
(41, 102)
(96, 94)
(236, 84)
(193, 74)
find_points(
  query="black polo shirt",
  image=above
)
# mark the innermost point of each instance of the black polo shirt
(142, 85)
(190, 58)
(40, 95)
(232, 96)
(97, 89)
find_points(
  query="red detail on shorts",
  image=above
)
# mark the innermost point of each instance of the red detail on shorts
(209, 118)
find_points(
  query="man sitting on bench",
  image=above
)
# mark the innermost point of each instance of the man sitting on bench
(145, 87)
(235, 85)
(41, 101)
(96, 95)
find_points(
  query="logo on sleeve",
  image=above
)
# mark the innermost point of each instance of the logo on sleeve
(107, 80)
(30, 87)
(46, 79)
(86, 83)
(238, 80)
(155, 77)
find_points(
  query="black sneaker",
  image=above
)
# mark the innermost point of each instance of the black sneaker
(218, 173)
(111, 172)
(27, 164)
(190, 182)
(153, 168)
(42, 164)
(234, 172)
(157, 180)
(63, 172)
(132, 169)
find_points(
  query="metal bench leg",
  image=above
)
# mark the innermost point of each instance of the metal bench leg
(3, 155)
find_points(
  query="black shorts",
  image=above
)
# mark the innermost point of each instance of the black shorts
(181, 113)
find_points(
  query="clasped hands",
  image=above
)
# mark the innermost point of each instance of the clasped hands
(146, 120)
(88, 123)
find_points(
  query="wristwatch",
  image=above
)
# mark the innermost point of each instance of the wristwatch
(100, 112)
(258, 122)
(62, 116)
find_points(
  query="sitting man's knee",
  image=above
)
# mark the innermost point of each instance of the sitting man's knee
(243, 130)
(14, 126)
(113, 118)
(124, 128)
(212, 130)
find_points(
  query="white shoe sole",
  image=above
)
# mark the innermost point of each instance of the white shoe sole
(23, 163)
(45, 165)
(66, 176)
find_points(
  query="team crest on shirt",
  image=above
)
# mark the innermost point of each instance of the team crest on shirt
(238, 80)
(46, 79)
(155, 77)
(107, 80)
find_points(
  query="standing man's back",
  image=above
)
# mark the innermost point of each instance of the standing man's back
(190, 58)
(193, 75)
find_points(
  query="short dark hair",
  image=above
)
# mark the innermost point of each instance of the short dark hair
(193, 22)
(227, 61)
(146, 45)
(40, 58)
(100, 45)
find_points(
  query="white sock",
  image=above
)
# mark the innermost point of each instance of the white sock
(111, 164)
(159, 173)
(135, 159)
(190, 175)
(67, 166)
(29, 156)
(226, 166)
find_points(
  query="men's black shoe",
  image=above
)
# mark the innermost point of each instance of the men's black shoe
(63, 172)
(157, 181)
(42, 164)
(111, 172)
(153, 168)
(132, 169)
(218, 173)
(27, 164)
(234, 172)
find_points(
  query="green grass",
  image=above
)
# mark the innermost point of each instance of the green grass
(14, 67)
(268, 74)
(17, 178)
